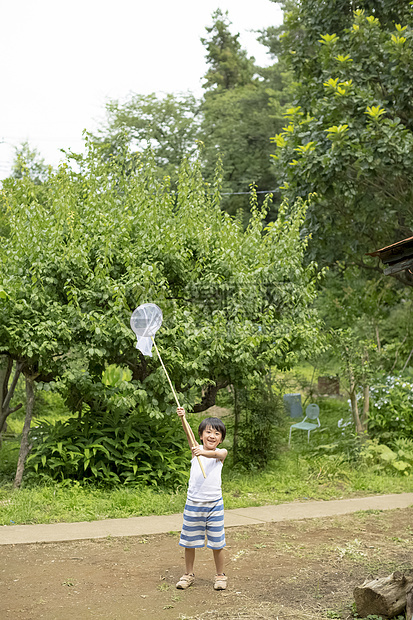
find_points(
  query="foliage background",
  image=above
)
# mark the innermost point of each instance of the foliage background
(92, 245)
(145, 216)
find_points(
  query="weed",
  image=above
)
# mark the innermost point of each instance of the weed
(317, 593)
(351, 550)
(69, 583)
(238, 555)
(397, 539)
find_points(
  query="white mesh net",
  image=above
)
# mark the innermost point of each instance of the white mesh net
(145, 322)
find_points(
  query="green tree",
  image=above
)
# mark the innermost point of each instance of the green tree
(236, 127)
(28, 162)
(168, 125)
(348, 135)
(358, 367)
(374, 307)
(103, 241)
(229, 65)
(242, 106)
(348, 138)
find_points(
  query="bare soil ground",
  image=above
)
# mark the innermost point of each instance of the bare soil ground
(301, 570)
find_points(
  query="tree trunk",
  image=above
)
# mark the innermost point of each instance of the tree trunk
(366, 406)
(237, 419)
(6, 364)
(355, 411)
(6, 392)
(352, 393)
(378, 338)
(385, 597)
(24, 445)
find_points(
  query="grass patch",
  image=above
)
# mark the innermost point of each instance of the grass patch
(58, 503)
(291, 478)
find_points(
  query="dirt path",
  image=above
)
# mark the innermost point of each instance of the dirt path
(300, 570)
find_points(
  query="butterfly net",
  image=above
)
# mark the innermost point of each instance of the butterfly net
(145, 322)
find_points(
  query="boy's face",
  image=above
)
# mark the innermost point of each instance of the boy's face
(211, 438)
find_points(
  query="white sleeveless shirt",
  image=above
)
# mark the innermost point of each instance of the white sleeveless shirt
(207, 489)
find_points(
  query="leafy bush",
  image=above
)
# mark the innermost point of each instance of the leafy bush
(262, 414)
(111, 448)
(8, 461)
(328, 467)
(392, 412)
(336, 437)
(382, 458)
(113, 375)
(50, 405)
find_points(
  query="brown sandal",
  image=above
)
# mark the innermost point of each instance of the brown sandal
(185, 581)
(220, 582)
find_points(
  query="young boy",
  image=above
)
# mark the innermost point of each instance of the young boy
(204, 508)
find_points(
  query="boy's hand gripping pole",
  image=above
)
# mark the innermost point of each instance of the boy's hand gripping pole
(188, 428)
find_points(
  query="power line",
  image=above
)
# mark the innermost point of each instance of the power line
(261, 191)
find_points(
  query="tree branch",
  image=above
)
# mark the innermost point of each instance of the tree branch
(408, 360)
(19, 368)
(208, 399)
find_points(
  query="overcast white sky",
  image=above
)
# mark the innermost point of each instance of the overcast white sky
(61, 61)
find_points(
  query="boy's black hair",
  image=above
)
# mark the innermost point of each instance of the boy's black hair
(214, 423)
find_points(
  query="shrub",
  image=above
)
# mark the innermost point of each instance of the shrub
(337, 436)
(111, 448)
(382, 458)
(262, 414)
(392, 412)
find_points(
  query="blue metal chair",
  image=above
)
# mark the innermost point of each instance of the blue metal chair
(312, 412)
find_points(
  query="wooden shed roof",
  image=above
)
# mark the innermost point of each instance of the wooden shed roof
(397, 257)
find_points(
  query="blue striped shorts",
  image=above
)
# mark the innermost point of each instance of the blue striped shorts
(200, 519)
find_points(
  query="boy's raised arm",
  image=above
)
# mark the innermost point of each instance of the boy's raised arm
(188, 431)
